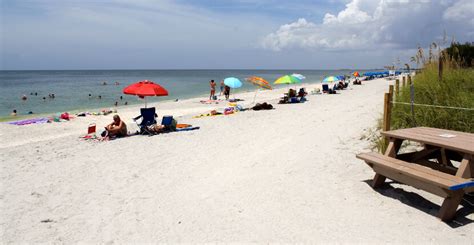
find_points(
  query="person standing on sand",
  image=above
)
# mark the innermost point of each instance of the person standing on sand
(227, 92)
(213, 89)
(222, 87)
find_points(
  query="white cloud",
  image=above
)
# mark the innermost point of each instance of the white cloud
(375, 24)
(462, 11)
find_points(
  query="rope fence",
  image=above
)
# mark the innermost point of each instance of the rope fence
(392, 95)
(436, 106)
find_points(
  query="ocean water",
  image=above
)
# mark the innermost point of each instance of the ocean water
(72, 88)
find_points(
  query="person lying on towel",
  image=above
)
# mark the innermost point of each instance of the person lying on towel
(116, 128)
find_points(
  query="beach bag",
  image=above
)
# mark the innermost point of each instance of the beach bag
(267, 106)
(228, 111)
(214, 97)
(91, 128)
(65, 116)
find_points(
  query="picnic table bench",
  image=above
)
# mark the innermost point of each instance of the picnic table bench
(431, 169)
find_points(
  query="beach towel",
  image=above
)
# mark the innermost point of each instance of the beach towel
(187, 129)
(183, 125)
(30, 121)
(209, 102)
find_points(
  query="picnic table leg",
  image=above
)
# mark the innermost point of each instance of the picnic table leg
(450, 205)
(391, 151)
(466, 169)
(378, 180)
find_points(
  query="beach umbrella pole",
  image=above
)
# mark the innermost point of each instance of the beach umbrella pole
(255, 96)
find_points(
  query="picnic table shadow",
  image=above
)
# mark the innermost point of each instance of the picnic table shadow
(417, 201)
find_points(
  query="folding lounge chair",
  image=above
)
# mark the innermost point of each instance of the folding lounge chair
(148, 116)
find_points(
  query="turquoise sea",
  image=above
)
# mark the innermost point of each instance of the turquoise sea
(72, 88)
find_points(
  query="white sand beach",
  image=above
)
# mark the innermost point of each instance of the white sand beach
(284, 175)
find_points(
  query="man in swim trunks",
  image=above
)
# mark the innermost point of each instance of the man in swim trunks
(117, 127)
(222, 87)
(213, 89)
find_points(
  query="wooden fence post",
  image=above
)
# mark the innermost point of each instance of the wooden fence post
(409, 80)
(403, 81)
(386, 112)
(397, 88)
(386, 117)
(390, 91)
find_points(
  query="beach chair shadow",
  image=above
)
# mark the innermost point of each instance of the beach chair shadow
(148, 117)
(417, 201)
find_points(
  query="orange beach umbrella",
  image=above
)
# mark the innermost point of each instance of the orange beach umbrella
(259, 82)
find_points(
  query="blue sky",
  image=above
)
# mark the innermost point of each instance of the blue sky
(212, 34)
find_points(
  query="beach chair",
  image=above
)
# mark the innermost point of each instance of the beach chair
(148, 116)
(325, 88)
(169, 123)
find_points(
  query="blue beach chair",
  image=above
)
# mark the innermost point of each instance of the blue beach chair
(325, 88)
(169, 123)
(148, 116)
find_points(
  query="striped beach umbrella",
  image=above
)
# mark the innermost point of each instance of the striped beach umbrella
(299, 76)
(287, 80)
(258, 81)
(330, 79)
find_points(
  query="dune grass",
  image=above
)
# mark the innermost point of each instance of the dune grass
(455, 89)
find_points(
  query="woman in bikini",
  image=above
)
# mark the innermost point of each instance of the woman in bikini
(213, 89)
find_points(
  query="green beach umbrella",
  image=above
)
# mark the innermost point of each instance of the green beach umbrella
(287, 79)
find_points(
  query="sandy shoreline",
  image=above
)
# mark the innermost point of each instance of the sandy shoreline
(285, 175)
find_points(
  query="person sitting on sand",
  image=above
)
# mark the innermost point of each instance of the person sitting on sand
(302, 93)
(117, 127)
(13, 114)
(340, 85)
(291, 93)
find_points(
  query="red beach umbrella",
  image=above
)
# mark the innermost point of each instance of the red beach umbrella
(145, 88)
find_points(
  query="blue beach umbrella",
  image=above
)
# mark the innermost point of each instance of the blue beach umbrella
(233, 82)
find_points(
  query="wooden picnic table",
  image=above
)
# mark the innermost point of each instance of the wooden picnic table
(445, 165)
(444, 145)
